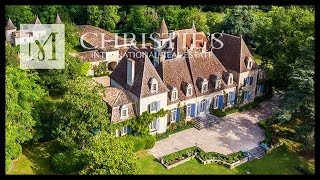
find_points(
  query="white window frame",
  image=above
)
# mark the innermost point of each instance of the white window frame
(152, 125)
(124, 130)
(174, 94)
(189, 90)
(173, 117)
(203, 106)
(229, 98)
(153, 106)
(230, 80)
(124, 108)
(204, 87)
(218, 84)
(188, 110)
(216, 102)
(154, 83)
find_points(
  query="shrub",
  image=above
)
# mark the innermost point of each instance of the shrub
(173, 127)
(262, 124)
(179, 155)
(150, 141)
(68, 162)
(219, 112)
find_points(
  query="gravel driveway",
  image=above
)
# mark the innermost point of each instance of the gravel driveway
(238, 131)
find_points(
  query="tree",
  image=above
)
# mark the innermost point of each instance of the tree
(110, 155)
(299, 100)
(11, 56)
(142, 19)
(81, 111)
(279, 34)
(47, 14)
(110, 17)
(19, 14)
(94, 15)
(241, 20)
(22, 94)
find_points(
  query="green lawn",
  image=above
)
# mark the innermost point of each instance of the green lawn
(280, 161)
(35, 159)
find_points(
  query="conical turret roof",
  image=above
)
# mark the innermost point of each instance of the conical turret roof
(10, 25)
(58, 20)
(163, 31)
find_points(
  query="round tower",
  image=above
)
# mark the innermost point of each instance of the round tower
(162, 35)
(10, 28)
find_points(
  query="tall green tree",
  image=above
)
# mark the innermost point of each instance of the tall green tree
(94, 15)
(279, 34)
(19, 14)
(110, 155)
(241, 20)
(47, 14)
(22, 94)
(110, 17)
(81, 111)
(11, 56)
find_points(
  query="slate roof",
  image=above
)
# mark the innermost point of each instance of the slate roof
(37, 24)
(10, 25)
(163, 31)
(90, 56)
(174, 78)
(115, 98)
(144, 72)
(58, 20)
(95, 40)
(233, 53)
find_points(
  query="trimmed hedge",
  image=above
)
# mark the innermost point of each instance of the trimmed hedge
(141, 142)
(176, 127)
(68, 162)
(179, 155)
(188, 152)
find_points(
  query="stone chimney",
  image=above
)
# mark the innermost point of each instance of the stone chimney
(130, 71)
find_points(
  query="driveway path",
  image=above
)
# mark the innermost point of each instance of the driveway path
(237, 131)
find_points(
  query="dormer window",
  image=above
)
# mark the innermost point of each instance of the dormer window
(154, 85)
(189, 90)
(217, 83)
(249, 62)
(124, 112)
(174, 94)
(204, 86)
(260, 74)
(230, 79)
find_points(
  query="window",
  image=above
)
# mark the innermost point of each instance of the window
(124, 112)
(229, 98)
(218, 83)
(246, 95)
(124, 130)
(215, 102)
(204, 87)
(230, 80)
(249, 62)
(260, 74)
(154, 85)
(202, 105)
(153, 125)
(153, 106)
(189, 90)
(173, 115)
(188, 113)
(174, 95)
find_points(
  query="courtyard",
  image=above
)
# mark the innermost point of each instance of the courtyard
(236, 132)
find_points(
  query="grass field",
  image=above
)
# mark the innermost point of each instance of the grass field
(36, 159)
(280, 161)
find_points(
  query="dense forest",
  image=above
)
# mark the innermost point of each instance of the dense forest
(56, 105)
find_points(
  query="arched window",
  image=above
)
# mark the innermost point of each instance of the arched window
(204, 86)
(124, 112)
(174, 94)
(230, 79)
(189, 90)
(218, 83)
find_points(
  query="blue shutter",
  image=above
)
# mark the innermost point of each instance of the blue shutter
(262, 88)
(220, 106)
(207, 105)
(128, 130)
(157, 124)
(158, 105)
(193, 107)
(178, 115)
(233, 97)
(251, 80)
(245, 81)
